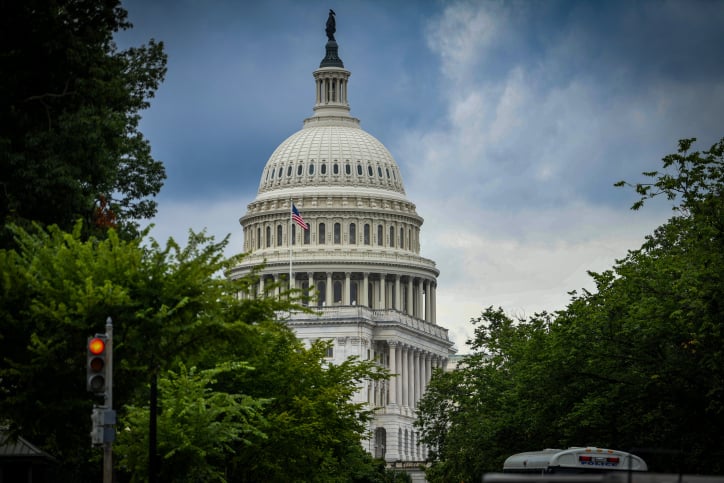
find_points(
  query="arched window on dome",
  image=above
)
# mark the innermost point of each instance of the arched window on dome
(279, 235)
(268, 236)
(300, 170)
(366, 235)
(258, 237)
(289, 171)
(402, 237)
(388, 172)
(321, 235)
(352, 234)
(347, 169)
(311, 168)
(294, 234)
(307, 236)
(379, 171)
(359, 169)
(370, 172)
(337, 233)
(323, 168)
(409, 239)
(335, 168)
(392, 237)
(380, 237)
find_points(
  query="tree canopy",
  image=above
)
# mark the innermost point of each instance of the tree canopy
(240, 397)
(69, 111)
(637, 363)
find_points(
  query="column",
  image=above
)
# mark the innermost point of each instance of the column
(411, 379)
(393, 371)
(261, 286)
(345, 294)
(330, 293)
(310, 286)
(404, 368)
(398, 305)
(410, 303)
(416, 365)
(383, 290)
(428, 371)
(433, 292)
(365, 283)
(428, 301)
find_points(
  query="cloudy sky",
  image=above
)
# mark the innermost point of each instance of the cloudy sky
(510, 121)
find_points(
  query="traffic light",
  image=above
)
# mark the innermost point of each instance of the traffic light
(96, 368)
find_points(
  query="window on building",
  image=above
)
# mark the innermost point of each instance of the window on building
(294, 234)
(281, 170)
(402, 238)
(321, 293)
(321, 234)
(370, 172)
(337, 286)
(289, 171)
(323, 168)
(300, 169)
(353, 290)
(379, 171)
(392, 236)
(268, 236)
(359, 169)
(380, 237)
(366, 234)
(330, 352)
(258, 237)
(337, 233)
(307, 235)
(335, 168)
(352, 234)
(279, 235)
(347, 169)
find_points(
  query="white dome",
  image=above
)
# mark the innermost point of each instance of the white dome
(334, 153)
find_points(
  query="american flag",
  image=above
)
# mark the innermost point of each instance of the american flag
(297, 218)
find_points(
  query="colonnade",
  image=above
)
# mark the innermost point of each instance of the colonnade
(414, 296)
(413, 367)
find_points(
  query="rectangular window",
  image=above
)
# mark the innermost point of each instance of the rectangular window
(337, 233)
(367, 234)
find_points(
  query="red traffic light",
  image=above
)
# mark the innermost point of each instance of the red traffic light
(96, 345)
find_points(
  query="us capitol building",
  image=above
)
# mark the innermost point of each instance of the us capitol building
(372, 292)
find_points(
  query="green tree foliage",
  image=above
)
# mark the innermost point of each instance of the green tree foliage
(636, 363)
(69, 112)
(240, 397)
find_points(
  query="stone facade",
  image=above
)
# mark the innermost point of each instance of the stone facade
(359, 261)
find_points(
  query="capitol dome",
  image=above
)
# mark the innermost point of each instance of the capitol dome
(330, 153)
(352, 248)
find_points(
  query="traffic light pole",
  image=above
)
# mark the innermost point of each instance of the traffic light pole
(108, 445)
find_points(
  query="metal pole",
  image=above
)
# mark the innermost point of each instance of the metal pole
(108, 445)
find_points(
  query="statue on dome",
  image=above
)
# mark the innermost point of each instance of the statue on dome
(331, 26)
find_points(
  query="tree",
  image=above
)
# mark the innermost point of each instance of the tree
(69, 112)
(636, 363)
(222, 362)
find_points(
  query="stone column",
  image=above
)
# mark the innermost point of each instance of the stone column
(310, 286)
(428, 301)
(416, 362)
(398, 304)
(365, 284)
(433, 292)
(428, 372)
(393, 372)
(346, 290)
(330, 292)
(405, 370)
(383, 290)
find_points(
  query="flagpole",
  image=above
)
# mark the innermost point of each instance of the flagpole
(291, 228)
